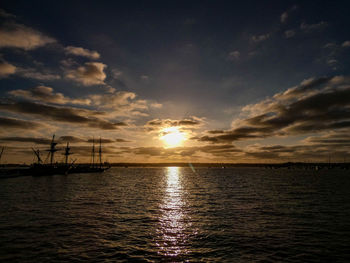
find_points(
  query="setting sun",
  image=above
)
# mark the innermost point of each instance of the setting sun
(172, 137)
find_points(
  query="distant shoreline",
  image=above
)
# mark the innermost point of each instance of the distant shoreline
(218, 165)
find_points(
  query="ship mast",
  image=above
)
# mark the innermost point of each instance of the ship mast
(67, 152)
(2, 151)
(93, 152)
(52, 149)
(100, 153)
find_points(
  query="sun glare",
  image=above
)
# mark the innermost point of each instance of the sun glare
(172, 137)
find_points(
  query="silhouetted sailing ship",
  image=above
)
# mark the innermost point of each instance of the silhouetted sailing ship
(40, 168)
(94, 167)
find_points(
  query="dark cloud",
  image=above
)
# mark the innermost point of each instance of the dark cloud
(156, 122)
(97, 140)
(312, 149)
(18, 124)
(26, 139)
(71, 139)
(216, 150)
(215, 131)
(305, 85)
(121, 140)
(47, 95)
(85, 150)
(188, 123)
(193, 121)
(234, 135)
(61, 114)
(334, 138)
(206, 139)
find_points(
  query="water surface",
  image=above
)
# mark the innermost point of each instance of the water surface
(177, 215)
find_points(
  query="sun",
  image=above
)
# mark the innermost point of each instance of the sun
(172, 137)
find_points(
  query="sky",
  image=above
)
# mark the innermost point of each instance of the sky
(176, 81)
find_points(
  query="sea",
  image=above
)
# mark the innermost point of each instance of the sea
(177, 214)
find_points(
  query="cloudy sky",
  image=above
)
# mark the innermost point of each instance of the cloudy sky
(168, 81)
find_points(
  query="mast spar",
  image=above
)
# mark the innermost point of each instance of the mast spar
(37, 154)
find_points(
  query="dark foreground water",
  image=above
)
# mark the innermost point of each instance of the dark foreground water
(175, 215)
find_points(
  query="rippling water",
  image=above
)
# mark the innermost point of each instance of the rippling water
(177, 215)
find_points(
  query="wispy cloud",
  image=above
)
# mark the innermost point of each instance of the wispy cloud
(285, 15)
(79, 51)
(122, 103)
(6, 69)
(47, 95)
(260, 38)
(313, 27)
(91, 73)
(144, 77)
(13, 35)
(289, 33)
(346, 44)
(5, 14)
(117, 73)
(234, 55)
(33, 73)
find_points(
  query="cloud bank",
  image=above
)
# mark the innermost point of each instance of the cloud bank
(316, 105)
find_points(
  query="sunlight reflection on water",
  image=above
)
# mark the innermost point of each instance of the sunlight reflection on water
(172, 220)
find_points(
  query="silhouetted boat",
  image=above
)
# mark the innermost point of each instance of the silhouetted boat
(52, 168)
(94, 167)
(42, 169)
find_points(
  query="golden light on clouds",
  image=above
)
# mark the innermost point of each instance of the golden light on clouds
(172, 137)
